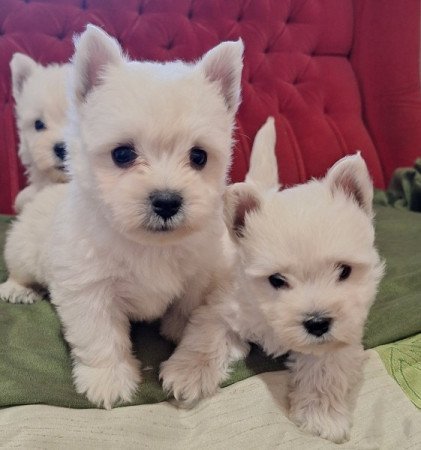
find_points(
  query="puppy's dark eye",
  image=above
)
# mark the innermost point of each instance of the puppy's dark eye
(39, 125)
(278, 281)
(123, 156)
(198, 158)
(344, 272)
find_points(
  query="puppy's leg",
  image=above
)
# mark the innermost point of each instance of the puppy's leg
(97, 329)
(176, 317)
(201, 360)
(173, 323)
(25, 196)
(320, 391)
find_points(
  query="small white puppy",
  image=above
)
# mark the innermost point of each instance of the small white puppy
(307, 274)
(139, 229)
(41, 105)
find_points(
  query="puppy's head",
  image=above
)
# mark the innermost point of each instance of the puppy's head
(152, 142)
(308, 255)
(41, 105)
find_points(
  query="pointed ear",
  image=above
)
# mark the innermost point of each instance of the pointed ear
(21, 67)
(350, 175)
(239, 200)
(223, 64)
(95, 50)
(263, 170)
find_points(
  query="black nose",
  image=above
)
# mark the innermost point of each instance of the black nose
(317, 325)
(60, 150)
(166, 203)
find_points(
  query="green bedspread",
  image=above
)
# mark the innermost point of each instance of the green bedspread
(403, 362)
(34, 359)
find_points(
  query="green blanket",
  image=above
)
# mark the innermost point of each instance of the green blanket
(403, 362)
(35, 365)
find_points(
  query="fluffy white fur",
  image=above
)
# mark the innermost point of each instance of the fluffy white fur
(40, 94)
(304, 233)
(96, 242)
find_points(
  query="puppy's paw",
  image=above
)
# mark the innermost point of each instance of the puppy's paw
(106, 386)
(190, 377)
(13, 292)
(330, 425)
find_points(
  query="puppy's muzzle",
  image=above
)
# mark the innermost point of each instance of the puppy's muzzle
(317, 325)
(166, 204)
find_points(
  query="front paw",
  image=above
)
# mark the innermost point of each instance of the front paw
(13, 292)
(330, 424)
(106, 386)
(190, 377)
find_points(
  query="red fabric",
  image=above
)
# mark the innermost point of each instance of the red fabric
(338, 75)
(386, 59)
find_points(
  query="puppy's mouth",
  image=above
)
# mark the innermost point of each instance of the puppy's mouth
(156, 224)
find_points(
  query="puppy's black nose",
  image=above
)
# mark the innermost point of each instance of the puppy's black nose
(60, 150)
(166, 203)
(317, 326)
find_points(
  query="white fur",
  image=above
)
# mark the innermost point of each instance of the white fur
(40, 94)
(100, 250)
(302, 233)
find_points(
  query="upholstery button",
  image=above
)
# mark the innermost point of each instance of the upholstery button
(170, 45)
(84, 4)
(240, 16)
(190, 14)
(140, 10)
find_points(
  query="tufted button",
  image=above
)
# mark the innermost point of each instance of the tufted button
(84, 4)
(140, 10)
(190, 14)
(170, 45)
(61, 36)
(240, 16)
(267, 49)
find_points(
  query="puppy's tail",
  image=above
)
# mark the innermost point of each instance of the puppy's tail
(263, 171)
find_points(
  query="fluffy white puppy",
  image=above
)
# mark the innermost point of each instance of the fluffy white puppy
(138, 231)
(41, 105)
(307, 274)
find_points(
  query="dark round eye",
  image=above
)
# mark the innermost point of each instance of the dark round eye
(39, 125)
(344, 272)
(278, 281)
(123, 156)
(198, 158)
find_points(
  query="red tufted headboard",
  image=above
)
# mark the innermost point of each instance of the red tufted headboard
(338, 75)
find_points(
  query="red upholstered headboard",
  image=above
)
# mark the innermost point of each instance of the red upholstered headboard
(338, 75)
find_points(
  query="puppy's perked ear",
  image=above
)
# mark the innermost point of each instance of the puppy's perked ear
(239, 200)
(350, 175)
(21, 66)
(95, 50)
(263, 171)
(223, 64)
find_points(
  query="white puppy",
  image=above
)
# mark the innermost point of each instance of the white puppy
(307, 273)
(139, 229)
(41, 105)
